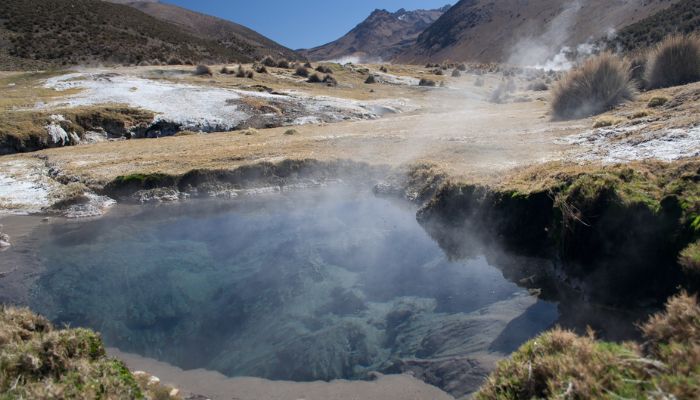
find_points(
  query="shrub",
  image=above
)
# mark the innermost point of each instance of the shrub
(269, 62)
(462, 67)
(657, 101)
(174, 61)
(307, 65)
(456, 73)
(225, 71)
(283, 64)
(202, 70)
(261, 69)
(330, 80)
(291, 132)
(324, 70)
(427, 82)
(314, 79)
(438, 72)
(301, 71)
(675, 61)
(249, 74)
(384, 69)
(598, 85)
(240, 73)
(249, 132)
(370, 80)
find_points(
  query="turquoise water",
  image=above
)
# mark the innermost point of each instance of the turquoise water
(321, 284)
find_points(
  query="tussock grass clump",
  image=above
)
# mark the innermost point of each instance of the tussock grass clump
(261, 69)
(561, 364)
(329, 80)
(538, 86)
(40, 362)
(456, 73)
(291, 132)
(269, 62)
(427, 82)
(598, 85)
(657, 101)
(675, 61)
(384, 69)
(371, 80)
(203, 70)
(249, 132)
(324, 70)
(243, 73)
(283, 64)
(605, 122)
(690, 258)
(302, 71)
(314, 78)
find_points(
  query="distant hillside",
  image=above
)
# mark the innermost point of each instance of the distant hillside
(524, 32)
(52, 33)
(381, 36)
(226, 33)
(682, 17)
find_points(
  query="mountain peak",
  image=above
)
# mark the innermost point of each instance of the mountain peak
(380, 36)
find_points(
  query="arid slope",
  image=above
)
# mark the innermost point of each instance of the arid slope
(230, 34)
(517, 31)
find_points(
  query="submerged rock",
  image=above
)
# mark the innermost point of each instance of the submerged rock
(4, 241)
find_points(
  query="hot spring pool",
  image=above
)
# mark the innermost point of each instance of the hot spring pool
(313, 285)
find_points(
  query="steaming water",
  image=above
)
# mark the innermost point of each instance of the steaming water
(304, 286)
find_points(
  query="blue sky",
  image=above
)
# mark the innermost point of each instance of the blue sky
(301, 23)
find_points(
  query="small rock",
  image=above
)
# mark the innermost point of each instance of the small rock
(174, 393)
(4, 241)
(153, 380)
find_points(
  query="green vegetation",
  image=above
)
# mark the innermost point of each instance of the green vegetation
(48, 33)
(560, 364)
(40, 362)
(675, 61)
(598, 85)
(680, 18)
